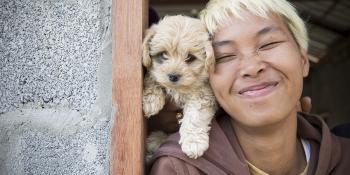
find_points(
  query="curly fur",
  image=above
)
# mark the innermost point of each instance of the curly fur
(153, 141)
(181, 46)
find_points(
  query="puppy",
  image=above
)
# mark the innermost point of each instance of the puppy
(178, 55)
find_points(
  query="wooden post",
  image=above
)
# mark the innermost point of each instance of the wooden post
(127, 147)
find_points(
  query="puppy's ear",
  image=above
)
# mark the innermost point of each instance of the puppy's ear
(210, 58)
(146, 58)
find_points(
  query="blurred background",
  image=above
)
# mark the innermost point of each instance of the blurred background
(328, 23)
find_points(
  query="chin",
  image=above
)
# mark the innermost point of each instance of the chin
(260, 117)
(258, 120)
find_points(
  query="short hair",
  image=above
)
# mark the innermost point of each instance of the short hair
(217, 12)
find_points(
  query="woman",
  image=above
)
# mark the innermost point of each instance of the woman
(261, 59)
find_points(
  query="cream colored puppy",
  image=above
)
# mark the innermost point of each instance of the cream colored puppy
(178, 55)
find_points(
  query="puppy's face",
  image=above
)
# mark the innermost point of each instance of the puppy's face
(178, 52)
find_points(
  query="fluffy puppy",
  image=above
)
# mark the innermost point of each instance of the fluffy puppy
(178, 55)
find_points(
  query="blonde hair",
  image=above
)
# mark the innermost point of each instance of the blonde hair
(218, 12)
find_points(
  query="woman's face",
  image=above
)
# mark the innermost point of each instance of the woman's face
(259, 70)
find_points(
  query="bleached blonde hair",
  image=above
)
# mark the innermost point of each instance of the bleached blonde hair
(218, 12)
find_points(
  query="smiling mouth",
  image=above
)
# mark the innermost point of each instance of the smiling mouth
(258, 90)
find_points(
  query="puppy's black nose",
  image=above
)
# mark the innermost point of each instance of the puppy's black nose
(173, 77)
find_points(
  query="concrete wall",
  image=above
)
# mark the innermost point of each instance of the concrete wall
(55, 85)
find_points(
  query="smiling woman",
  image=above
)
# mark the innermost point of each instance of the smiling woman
(261, 90)
(264, 71)
(260, 49)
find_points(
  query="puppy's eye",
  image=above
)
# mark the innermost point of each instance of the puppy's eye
(190, 58)
(160, 57)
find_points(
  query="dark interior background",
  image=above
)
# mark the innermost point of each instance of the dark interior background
(328, 23)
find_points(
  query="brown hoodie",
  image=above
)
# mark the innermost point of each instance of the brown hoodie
(330, 155)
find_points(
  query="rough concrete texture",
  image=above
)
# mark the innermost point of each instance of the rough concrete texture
(50, 52)
(55, 86)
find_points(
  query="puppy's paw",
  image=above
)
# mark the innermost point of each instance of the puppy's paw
(194, 144)
(152, 104)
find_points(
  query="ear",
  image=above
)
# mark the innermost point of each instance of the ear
(146, 58)
(305, 63)
(210, 58)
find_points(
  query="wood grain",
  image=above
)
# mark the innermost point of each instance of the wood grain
(127, 145)
(187, 2)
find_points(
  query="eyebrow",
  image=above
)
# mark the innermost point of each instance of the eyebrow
(263, 31)
(221, 43)
(268, 29)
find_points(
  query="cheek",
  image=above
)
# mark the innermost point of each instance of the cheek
(218, 89)
(160, 69)
(214, 83)
(288, 65)
(222, 79)
(288, 61)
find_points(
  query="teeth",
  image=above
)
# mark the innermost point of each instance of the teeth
(257, 92)
(254, 90)
(251, 92)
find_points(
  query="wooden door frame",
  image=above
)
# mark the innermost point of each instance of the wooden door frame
(129, 19)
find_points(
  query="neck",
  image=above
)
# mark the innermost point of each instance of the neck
(274, 149)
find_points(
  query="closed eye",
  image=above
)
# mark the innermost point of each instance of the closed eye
(225, 58)
(270, 45)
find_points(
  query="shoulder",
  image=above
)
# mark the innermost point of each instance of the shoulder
(218, 159)
(345, 145)
(163, 165)
(171, 165)
(340, 155)
(169, 159)
(331, 153)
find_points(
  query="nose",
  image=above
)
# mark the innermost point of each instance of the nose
(252, 67)
(173, 77)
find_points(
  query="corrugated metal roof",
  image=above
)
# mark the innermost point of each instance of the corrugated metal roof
(328, 22)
